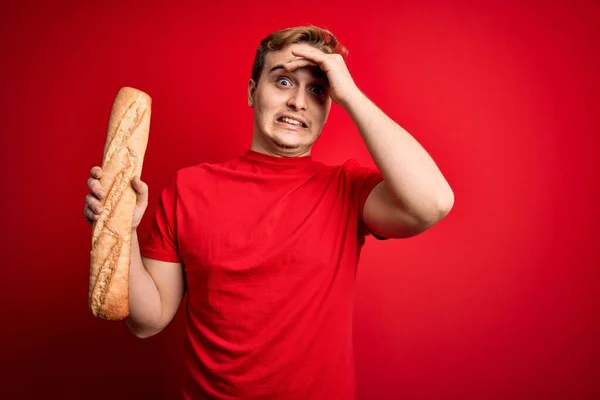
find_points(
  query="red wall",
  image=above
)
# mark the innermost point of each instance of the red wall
(499, 301)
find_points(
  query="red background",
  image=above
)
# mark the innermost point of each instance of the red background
(499, 301)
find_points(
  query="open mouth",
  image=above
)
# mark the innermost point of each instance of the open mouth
(292, 121)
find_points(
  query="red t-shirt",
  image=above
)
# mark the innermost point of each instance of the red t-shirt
(270, 248)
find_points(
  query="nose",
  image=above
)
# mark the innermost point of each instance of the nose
(297, 99)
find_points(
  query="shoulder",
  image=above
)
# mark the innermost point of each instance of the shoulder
(353, 169)
(350, 170)
(347, 165)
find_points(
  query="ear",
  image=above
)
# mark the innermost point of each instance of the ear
(251, 91)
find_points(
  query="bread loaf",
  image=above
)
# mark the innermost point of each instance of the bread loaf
(124, 151)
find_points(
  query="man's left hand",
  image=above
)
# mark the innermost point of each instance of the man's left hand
(341, 84)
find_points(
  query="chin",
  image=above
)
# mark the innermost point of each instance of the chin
(286, 144)
(288, 138)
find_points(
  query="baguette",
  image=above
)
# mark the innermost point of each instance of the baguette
(124, 151)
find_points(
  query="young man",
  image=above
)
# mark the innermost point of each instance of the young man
(267, 244)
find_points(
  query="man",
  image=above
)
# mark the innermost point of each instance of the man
(267, 245)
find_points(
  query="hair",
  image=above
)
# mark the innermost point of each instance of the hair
(319, 38)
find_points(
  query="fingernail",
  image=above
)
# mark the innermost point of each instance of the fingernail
(102, 193)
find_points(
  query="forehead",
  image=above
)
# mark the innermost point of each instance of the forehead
(285, 55)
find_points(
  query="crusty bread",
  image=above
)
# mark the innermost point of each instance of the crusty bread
(126, 143)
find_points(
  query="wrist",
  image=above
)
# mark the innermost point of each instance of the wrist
(352, 98)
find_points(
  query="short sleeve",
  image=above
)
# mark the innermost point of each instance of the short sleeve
(161, 241)
(363, 179)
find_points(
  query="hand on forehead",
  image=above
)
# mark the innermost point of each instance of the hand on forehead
(288, 61)
(307, 57)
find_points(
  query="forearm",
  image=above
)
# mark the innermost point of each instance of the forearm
(144, 300)
(411, 175)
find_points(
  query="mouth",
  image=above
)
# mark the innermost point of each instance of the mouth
(292, 121)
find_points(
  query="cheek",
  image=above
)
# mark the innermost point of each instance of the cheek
(260, 111)
(264, 108)
(263, 116)
(321, 116)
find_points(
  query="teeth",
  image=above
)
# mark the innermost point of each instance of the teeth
(291, 121)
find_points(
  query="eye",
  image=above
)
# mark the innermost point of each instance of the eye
(317, 90)
(285, 82)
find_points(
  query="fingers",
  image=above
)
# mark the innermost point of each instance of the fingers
(293, 65)
(93, 208)
(94, 183)
(93, 205)
(90, 215)
(308, 52)
(96, 172)
(314, 55)
(96, 188)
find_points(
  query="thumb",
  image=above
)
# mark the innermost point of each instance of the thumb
(141, 188)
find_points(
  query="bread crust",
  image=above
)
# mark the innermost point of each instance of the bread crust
(124, 150)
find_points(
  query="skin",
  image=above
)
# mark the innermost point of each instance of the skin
(300, 91)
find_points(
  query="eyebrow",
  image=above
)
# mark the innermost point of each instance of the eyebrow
(278, 66)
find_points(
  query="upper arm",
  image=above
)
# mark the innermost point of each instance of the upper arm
(383, 216)
(170, 283)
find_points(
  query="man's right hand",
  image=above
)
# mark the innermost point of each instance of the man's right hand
(93, 207)
(155, 287)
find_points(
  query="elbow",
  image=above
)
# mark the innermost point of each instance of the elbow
(445, 203)
(440, 208)
(144, 334)
(142, 331)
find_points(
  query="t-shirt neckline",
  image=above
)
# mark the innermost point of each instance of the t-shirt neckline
(256, 157)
